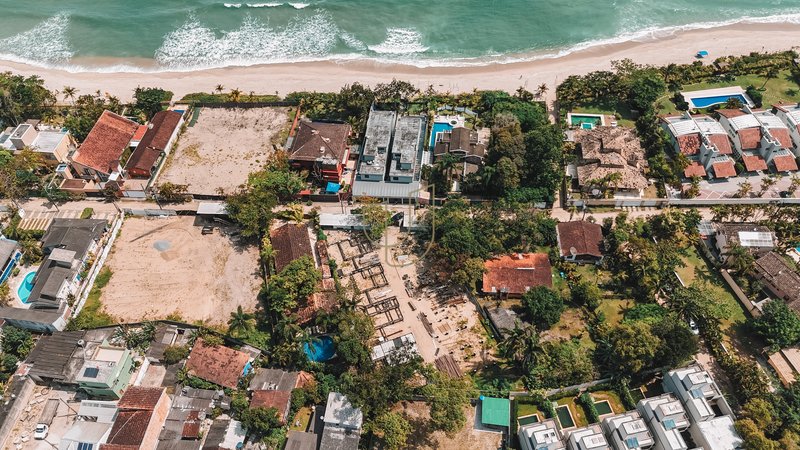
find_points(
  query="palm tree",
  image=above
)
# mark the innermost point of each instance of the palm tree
(219, 89)
(267, 253)
(69, 93)
(522, 345)
(744, 188)
(240, 322)
(251, 96)
(293, 213)
(447, 163)
(772, 72)
(739, 259)
(541, 90)
(235, 95)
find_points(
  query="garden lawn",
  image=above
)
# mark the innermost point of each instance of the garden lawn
(697, 270)
(528, 409)
(612, 398)
(302, 418)
(613, 310)
(778, 89)
(570, 326)
(627, 119)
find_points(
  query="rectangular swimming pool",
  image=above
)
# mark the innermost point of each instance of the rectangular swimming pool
(565, 417)
(705, 102)
(577, 119)
(527, 420)
(438, 127)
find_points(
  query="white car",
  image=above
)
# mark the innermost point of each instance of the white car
(40, 432)
(693, 327)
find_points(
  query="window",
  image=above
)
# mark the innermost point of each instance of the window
(91, 372)
(85, 446)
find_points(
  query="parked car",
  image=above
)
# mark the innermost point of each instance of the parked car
(40, 432)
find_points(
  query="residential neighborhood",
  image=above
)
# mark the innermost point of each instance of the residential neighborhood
(388, 268)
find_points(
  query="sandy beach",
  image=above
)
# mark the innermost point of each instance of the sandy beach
(331, 75)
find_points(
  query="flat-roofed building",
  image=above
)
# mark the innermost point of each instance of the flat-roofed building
(704, 142)
(377, 142)
(409, 140)
(761, 139)
(544, 435)
(667, 420)
(628, 431)
(789, 113)
(53, 144)
(587, 438)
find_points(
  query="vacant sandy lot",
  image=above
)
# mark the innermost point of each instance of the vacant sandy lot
(165, 265)
(223, 147)
(418, 414)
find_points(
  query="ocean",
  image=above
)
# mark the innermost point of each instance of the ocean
(159, 35)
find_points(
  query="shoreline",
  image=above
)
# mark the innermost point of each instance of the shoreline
(331, 75)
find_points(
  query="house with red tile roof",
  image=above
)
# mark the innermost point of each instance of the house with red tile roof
(789, 113)
(273, 399)
(513, 275)
(704, 142)
(321, 148)
(98, 158)
(580, 241)
(155, 145)
(290, 242)
(762, 139)
(217, 364)
(142, 413)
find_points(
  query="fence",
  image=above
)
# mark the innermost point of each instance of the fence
(241, 104)
(101, 259)
(678, 202)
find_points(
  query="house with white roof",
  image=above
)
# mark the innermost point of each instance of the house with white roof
(53, 144)
(544, 435)
(667, 420)
(704, 142)
(761, 139)
(756, 239)
(588, 438)
(790, 115)
(628, 431)
(711, 416)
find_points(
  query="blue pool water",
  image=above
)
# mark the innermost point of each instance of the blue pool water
(321, 350)
(705, 102)
(438, 127)
(24, 290)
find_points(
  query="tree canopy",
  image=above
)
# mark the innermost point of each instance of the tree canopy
(544, 306)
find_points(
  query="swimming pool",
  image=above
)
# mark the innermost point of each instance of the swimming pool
(320, 350)
(565, 417)
(438, 127)
(25, 288)
(579, 119)
(705, 102)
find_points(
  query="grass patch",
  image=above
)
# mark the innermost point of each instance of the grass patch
(92, 315)
(697, 270)
(578, 415)
(612, 398)
(301, 419)
(527, 409)
(613, 309)
(87, 213)
(570, 326)
(780, 89)
(627, 119)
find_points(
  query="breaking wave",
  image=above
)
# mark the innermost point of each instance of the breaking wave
(46, 43)
(400, 41)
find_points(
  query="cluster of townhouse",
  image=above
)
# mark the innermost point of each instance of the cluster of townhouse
(44, 298)
(759, 141)
(109, 397)
(118, 153)
(692, 413)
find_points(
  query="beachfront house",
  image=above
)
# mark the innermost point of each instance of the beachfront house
(704, 142)
(467, 145)
(156, 143)
(760, 138)
(321, 148)
(580, 241)
(609, 159)
(790, 115)
(513, 275)
(711, 416)
(391, 158)
(97, 163)
(53, 144)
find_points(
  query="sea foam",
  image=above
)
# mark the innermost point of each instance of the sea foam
(400, 41)
(46, 43)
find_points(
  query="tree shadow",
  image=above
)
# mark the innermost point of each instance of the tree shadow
(422, 434)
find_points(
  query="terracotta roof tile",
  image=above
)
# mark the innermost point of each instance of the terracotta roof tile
(139, 133)
(218, 364)
(103, 147)
(585, 237)
(725, 169)
(318, 301)
(694, 169)
(154, 142)
(785, 163)
(722, 142)
(315, 140)
(783, 136)
(515, 274)
(140, 398)
(754, 162)
(775, 270)
(129, 429)
(272, 399)
(290, 242)
(689, 144)
(191, 430)
(750, 138)
(731, 113)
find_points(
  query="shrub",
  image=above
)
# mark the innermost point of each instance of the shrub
(174, 354)
(587, 402)
(87, 213)
(623, 389)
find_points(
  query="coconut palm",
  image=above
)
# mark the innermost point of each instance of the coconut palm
(745, 188)
(267, 253)
(739, 259)
(240, 322)
(771, 73)
(447, 163)
(235, 95)
(69, 93)
(251, 97)
(219, 89)
(521, 345)
(541, 90)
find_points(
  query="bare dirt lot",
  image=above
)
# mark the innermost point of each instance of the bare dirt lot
(165, 265)
(422, 437)
(224, 146)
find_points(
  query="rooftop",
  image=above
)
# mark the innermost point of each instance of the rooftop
(159, 131)
(140, 398)
(409, 140)
(299, 440)
(541, 435)
(517, 273)
(775, 270)
(218, 364)
(55, 356)
(495, 411)
(338, 438)
(722, 432)
(588, 438)
(630, 429)
(608, 150)
(579, 238)
(272, 399)
(320, 141)
(747, 234)
(105, 144)
(378, 139)
(339, 412)
(274, 379)
(792, 111)
(290, 241)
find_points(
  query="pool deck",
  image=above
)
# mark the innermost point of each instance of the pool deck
(717, 92)
(14, 283)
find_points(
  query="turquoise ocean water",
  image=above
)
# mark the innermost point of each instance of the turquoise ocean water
(112, 35)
